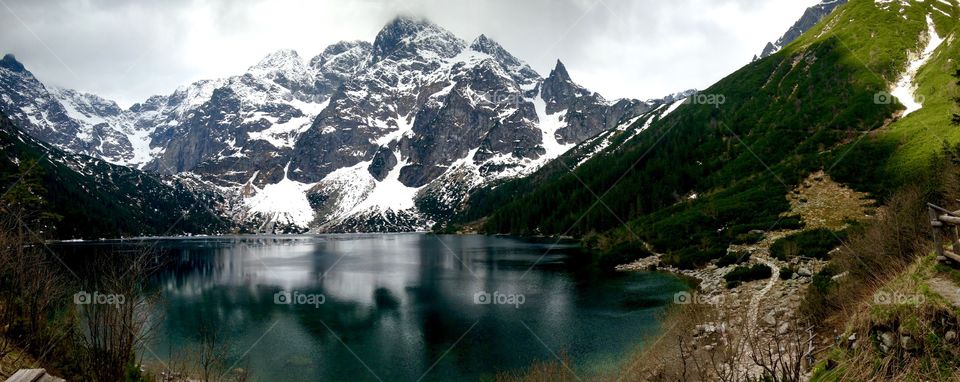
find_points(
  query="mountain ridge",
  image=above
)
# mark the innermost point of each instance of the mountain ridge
(811, 16)
(418, 111)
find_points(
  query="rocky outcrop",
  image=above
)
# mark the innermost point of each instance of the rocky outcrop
(810, 17)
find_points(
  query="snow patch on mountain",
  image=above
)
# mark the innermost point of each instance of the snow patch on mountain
(549, 123)
(284, 202)
(389, 194)
(905, 89)
(285, 134)
(404, 129)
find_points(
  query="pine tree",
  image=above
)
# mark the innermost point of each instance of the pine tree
(25, 199)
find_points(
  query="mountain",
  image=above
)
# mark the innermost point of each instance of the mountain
(228, 127)
(431, 118)
(384, 136)
(95, 199)
(810, 17)
(74, 121)
(702, 175)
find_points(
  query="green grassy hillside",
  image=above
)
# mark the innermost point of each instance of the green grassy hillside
(811, 106)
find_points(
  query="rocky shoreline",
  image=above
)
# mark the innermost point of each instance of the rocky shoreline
(764, 311)
(779, 298)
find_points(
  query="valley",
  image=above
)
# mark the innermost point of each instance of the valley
(432, 195)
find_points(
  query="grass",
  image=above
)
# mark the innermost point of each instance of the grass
(915, 313)
(908, 143)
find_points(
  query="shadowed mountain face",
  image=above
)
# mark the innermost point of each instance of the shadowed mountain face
(381, 136)
(94, 199)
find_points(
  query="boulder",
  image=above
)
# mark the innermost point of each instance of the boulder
(888, 339)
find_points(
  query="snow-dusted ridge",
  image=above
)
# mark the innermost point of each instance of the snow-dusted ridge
(388, 135)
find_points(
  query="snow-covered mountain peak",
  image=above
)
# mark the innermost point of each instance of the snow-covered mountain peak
(85, 107)
(390, 135)
(486, 45)
(344, 57)
(10, 62)
(810, 17)
(283, 59)
(284, 67)
(519, 70)
(407, 37)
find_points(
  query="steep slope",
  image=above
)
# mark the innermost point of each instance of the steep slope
(95, 199)
(708, 173)
(81, 123)
(810, 18)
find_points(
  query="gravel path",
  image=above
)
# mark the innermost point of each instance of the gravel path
(754, 310)
(947, 289)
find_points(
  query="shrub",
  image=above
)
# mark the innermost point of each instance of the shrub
(745, 274)
(752, 237)
(815, 244)
(786, 273)
(733, 258)
(821, 298)
(690, 258)
(623, 253)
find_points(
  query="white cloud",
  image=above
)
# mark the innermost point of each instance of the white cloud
(129, 50)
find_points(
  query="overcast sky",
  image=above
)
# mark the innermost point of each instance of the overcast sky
(128, 50)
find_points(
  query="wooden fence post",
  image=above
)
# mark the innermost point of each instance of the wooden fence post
(936, 224)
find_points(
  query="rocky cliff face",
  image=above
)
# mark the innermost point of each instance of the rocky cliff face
(363, 137)
(78, 122)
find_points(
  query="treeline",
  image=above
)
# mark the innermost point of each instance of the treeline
(91, 199)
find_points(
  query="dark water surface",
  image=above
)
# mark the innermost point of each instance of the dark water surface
(394, 307)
